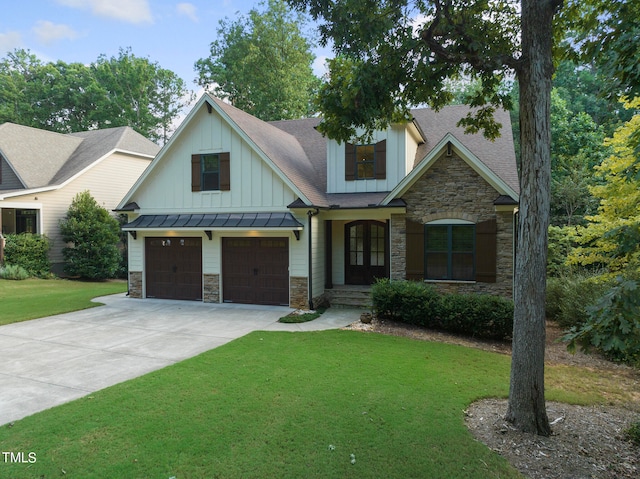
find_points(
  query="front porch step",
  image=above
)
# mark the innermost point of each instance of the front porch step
(350, 297)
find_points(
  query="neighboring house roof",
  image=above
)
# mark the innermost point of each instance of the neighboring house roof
(42, 159)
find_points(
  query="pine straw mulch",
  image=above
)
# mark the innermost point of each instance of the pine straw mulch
(586, 441)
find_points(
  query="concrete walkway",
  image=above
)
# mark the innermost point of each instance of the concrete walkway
(49, 361)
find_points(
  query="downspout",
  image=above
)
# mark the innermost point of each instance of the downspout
(310, 214)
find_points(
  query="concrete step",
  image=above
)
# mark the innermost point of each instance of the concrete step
(350, 297)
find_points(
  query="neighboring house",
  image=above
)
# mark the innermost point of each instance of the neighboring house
(41, 172)
(235, 209)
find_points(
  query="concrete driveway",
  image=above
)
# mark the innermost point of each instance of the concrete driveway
(49, 361)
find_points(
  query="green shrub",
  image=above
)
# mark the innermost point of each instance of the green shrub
(420, 304)
(408, 301)
(613, 326)
(14, 272)
(569, 297)
(478, 315)
(29, 251)
(94, 235)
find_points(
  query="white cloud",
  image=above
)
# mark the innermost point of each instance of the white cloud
(48, 32)
(9, 41)
(188, 10)
(132, 11)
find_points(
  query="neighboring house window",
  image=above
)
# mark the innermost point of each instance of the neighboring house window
(26, 221)
(450, 251)
(363, 162)
(210, 172)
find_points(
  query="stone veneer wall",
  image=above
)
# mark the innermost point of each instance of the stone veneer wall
(298, 292)
(211, 293)
(450, 189)
(135, 284)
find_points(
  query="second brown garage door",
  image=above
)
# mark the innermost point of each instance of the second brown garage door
(255, 270)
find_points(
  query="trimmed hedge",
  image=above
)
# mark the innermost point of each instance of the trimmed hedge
(478, 315)
(29, 251)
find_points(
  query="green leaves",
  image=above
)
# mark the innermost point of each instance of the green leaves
(614, 324)
(262, 64)
(93, 235)
(119, 91)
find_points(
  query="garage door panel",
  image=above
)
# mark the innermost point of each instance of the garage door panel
(256, 270)
(173, 268)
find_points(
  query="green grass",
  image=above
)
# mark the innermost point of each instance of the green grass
(278, 405)
(35, 298)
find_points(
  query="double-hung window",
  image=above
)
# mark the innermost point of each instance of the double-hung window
(210, 172)
(450, 251)
(365, 162)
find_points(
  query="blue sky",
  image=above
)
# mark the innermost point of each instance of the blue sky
(173, 33)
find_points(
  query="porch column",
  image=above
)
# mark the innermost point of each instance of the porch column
(398, 240)
(328, 255)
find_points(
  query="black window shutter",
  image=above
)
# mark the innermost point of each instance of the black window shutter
(486, 251)
(225, 171)
(381, 160)
(415, 251)
(349, 162)
(196, 176)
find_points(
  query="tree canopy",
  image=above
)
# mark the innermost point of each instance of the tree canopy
(262, 64)
(611, 239)
(119, 91)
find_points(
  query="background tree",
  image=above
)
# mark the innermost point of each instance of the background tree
(393, 54)
(611, 238)
(140, 94)
(117, 91)
(93, 235)
(263, 64)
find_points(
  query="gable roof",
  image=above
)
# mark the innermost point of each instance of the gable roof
(498, 156)
(494, 160)
(43, 158)
(297, 152)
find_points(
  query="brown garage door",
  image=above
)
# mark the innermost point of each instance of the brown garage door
(256, 270)
(174, 268)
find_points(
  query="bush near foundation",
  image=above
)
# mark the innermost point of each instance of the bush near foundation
(30, 252)
(478, 315)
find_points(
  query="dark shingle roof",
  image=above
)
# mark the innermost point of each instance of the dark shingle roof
(300, 151)
(498, 156)
(43, 158)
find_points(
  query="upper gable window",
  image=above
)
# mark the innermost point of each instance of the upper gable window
(362, 162)
(210, 172)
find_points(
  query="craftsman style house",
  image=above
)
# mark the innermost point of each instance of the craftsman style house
(42, 171)
(234, 209)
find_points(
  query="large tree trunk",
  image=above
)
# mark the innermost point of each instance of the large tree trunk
(527, 409)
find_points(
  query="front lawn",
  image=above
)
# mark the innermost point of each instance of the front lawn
(278, 405)
(35, 298)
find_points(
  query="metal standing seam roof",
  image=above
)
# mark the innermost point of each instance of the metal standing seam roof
(213, 221)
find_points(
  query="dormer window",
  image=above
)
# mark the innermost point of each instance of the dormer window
(364, 162)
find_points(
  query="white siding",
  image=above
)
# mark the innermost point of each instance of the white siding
(397, 161)
(254, 185)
